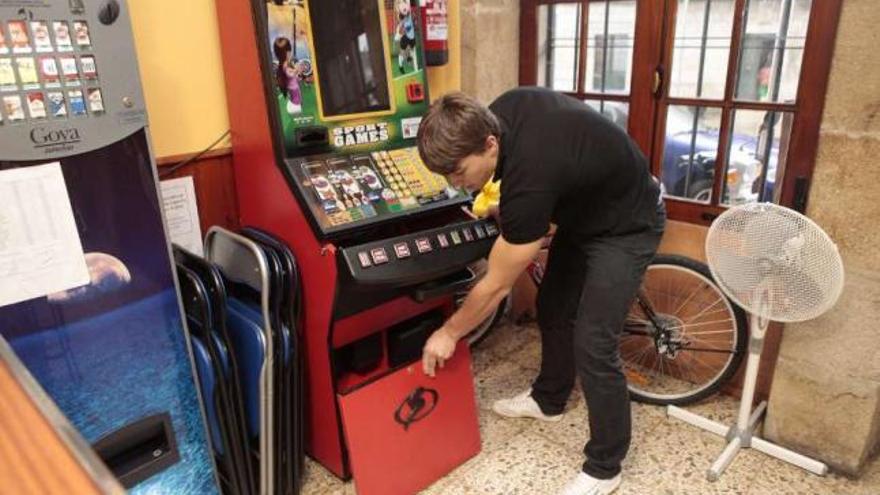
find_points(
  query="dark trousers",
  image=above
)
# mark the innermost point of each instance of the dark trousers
(582, 304)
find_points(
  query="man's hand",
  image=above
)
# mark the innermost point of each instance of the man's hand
(438, 349)
(506, 262)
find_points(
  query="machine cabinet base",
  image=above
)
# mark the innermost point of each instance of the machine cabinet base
(407, 430)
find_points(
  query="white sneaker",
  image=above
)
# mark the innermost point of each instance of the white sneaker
(522, 406)
(584, 484)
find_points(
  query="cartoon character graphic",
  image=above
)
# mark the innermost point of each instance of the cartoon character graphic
(287, 74)
(406, 36)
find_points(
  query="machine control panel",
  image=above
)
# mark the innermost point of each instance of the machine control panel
(68, 81)
(344, 191)
(421, 256)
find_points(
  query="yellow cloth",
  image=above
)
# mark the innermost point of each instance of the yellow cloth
(489, 196)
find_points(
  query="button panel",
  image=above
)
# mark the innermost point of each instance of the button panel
(414, 258)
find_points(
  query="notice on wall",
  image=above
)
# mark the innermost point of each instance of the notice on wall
(182, 213)
(40, 247)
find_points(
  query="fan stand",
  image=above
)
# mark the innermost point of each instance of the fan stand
(742, 435)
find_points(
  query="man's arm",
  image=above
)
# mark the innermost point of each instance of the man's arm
(506, 262)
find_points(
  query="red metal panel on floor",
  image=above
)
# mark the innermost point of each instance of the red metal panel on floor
(407, 430)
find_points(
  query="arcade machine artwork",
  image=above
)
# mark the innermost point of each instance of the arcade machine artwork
(334, 107)
(325, 159)
(88, 298)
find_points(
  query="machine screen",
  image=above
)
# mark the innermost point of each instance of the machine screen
(349, 50)
(350, 190)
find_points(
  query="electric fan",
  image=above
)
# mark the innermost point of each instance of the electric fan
(778, 265)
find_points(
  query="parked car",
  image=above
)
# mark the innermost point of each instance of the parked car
(693, 179)
(743, 174)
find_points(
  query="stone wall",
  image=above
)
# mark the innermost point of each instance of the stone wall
(825, 400)
(489, 47)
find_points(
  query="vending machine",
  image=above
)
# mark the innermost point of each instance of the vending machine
(325, 100)
(88, 298)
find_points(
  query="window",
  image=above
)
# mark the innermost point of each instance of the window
(585, 49)
(728, 94)
(611, 70)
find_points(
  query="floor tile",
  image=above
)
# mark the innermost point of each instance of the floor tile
(319, 481)
(528, 464)
(778, 477)
(508, 338)
(483, 360)
(674, 459)
(528, 355)
(496, 430)
(505, 380)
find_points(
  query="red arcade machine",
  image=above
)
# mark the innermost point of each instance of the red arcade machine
(325, 98)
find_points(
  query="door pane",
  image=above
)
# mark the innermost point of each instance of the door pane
(772, 50)
(756, 157)
(689, 151)
(616, 111)
(558, 41)
(610, 33)
(702, 48)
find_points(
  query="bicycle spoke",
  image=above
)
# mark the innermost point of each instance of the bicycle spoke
(710, 332)
(692, 294)
(697, 349)
(707, 308)
(722, 309)
(700, 324)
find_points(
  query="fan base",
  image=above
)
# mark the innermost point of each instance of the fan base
(739, 440)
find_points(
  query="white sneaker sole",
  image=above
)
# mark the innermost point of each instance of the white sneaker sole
(597, 490)
(611, 489)
(542, 417)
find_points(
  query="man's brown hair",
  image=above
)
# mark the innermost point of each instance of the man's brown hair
(455, 126)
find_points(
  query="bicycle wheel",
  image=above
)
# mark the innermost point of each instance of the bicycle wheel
(683, 338)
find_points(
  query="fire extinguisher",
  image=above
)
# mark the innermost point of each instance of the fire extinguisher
(436, 31)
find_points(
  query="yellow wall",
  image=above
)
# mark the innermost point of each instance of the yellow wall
(179, 57)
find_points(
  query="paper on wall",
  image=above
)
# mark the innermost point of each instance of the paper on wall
(40, 247)
(182, 213)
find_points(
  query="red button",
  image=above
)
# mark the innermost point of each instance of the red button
(402, 250)
(379, 256)
(364, 258)
(423, 245)
(442, 240)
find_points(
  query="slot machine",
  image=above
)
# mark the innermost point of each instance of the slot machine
(88, 298)
(325, 100)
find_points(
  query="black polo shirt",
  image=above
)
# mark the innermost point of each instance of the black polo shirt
(563, 162)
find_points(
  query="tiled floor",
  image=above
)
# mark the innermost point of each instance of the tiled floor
(666, 458)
